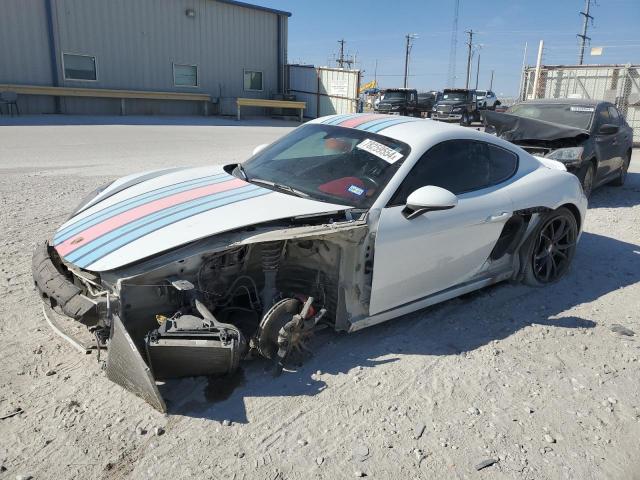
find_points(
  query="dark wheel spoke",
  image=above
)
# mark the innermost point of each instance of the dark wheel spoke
(560, 253)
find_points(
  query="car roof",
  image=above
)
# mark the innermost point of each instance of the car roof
(418, 133)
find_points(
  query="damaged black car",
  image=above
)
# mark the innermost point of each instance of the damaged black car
(590, 137)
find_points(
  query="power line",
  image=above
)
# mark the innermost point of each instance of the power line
(583, 36)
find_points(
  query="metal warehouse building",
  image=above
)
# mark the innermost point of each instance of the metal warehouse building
(150, 51)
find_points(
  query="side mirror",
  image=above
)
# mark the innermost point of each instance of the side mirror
(428, 199)
(259, 148)
(608, 129)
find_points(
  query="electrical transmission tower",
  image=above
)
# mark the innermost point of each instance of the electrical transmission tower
(583, 36)
(451, 77)
(342, 61)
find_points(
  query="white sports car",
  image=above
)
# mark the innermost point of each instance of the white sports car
(346, 222)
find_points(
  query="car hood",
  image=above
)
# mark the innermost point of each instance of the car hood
(157, 211)
(521, 129)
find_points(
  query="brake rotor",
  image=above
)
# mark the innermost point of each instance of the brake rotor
(276, 318)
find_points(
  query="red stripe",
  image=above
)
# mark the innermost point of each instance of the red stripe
(123, 218)
(359, 120)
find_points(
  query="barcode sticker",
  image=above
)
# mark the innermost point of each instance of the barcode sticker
(583, 109)
(387, 154)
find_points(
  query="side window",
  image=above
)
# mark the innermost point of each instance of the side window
(615, 116)
(603, 117)
(458, 166)
(503, 164)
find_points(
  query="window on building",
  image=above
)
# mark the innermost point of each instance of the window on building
(79, 67)
(459, 166)
(252, 80)
(185, 75)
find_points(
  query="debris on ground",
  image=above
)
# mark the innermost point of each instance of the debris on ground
(486, 463)
(622, 330)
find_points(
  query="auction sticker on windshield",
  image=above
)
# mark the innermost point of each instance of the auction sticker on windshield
(583, 109)
(379, 150)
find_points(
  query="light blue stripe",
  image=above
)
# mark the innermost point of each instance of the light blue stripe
(111, 241)
(390, 123)
(341, 118)
(130, 203)
(372, 123)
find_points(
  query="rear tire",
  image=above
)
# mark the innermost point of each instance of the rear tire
(465, 120)
(549, 251)
(622, 176)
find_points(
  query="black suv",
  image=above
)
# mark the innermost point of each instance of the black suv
(456, 105)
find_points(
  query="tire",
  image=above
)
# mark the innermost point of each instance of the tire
(547, 254)
(465, 121)
(622, 176)
(587, 176)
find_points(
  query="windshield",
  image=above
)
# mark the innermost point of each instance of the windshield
(328, 163)
(481, 93)
(455, 96)
(393, 96)
(578, 116)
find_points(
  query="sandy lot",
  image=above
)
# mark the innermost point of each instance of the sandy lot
(534, 379)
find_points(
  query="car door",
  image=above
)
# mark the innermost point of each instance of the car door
(605, 145)
(439, 249)
(621, 138)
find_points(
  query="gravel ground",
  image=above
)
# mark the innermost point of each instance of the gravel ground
(533, 380)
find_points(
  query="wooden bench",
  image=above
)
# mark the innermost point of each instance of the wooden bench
(108, 93)
(261, 102)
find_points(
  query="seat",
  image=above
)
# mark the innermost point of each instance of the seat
(10, 99)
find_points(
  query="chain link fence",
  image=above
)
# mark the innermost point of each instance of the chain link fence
(618, 84)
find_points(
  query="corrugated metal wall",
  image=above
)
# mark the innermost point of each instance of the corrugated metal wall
(136, 44)
(327, 91)
(618, 84)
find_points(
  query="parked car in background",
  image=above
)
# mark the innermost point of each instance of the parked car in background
(487, 100)
(590, 137)
(456, 105)
(403, 101)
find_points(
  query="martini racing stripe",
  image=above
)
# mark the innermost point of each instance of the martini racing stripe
(133, 202)
(337, 119)
(135, 232)
(99, 229)
(378, 126)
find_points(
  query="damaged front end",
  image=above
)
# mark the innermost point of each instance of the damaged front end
(562, 143)
(202, 308)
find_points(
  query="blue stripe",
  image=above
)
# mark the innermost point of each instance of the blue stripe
(134, 202)
(378, 121)
(120, 237)
(340, 118)
(390, 123)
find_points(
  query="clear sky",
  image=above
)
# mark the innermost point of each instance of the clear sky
(376, 29)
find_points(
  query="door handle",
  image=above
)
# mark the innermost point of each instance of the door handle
(497, 217)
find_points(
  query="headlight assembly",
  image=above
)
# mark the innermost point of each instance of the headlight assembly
(568, 156)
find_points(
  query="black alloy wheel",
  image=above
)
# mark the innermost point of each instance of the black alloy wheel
(554, 247)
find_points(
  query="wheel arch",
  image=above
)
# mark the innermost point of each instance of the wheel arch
(575, 211)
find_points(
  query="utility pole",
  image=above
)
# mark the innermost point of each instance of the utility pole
(470, 45)
(583, 36)
(451, 77)
(410, 37)
(375, 73)
(536, 79)
(491, 82)
(478, 69)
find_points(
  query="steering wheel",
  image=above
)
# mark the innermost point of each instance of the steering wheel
(370, 182)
